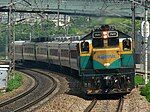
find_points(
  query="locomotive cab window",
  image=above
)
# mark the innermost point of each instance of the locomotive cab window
(126, 45)
(113, 42)
(98, 43)
(84, 46)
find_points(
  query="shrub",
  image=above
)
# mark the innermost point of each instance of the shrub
(145, 91)
(139, 80)
(15, 82)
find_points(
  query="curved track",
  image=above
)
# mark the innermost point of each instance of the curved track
(44, 86)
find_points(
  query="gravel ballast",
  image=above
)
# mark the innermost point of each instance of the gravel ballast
(133, 102)
(65, 103)
(71, 101)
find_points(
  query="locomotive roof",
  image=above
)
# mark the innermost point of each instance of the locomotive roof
(120, 34)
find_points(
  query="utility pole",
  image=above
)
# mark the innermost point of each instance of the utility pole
(145, 34)
(11, 37)
(133, 24)
(58, 3)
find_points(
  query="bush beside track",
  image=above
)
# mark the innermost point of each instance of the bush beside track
(15, 82)
(145, 90)
(139, 80)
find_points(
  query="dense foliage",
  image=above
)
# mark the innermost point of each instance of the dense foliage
(145, 91)
(15, 81)
(125, 25)
(76, 26)
(139, 80)
(3, 36)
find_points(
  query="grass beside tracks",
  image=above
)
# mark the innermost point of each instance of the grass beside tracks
(15, 81)
(139, 80)
(145, 90)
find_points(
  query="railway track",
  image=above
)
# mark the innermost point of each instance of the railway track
(105, 105)
(91, 106)
(43, 87)
(120, 105)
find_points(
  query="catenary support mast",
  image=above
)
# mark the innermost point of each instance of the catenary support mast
(146, 35)
(11, 37)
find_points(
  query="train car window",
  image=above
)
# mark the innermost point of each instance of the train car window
(98, 43)
(42, 51)
(113, 42)
(73, 54)
(18, 49)
(64, 53)
(126, 45)
(77, 46)
(29, 50)
(84, 46)
(54, 52)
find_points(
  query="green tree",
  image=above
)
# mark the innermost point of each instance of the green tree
(3, 37)
(125, 25)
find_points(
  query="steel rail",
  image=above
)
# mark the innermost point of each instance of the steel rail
(120, 105)
(90, 107)
(20, 95)
(29, 103)
(54, 86)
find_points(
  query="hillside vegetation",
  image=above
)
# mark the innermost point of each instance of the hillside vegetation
(77, 26)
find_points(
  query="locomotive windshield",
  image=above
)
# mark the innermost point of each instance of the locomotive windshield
(113, 42)
(98, 43)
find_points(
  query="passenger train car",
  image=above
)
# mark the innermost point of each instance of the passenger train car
(103, 59)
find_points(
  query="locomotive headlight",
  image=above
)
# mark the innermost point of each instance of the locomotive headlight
(106, 64)
(105, 34)
(107, 77)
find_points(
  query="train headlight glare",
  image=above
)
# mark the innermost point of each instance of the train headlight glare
(107, 77)
(106, 64)
(116, 80)
(128, 78)
(105, 34)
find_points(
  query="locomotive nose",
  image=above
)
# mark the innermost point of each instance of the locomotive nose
(106, 58)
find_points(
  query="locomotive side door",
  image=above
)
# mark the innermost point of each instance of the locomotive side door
(85, 54)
